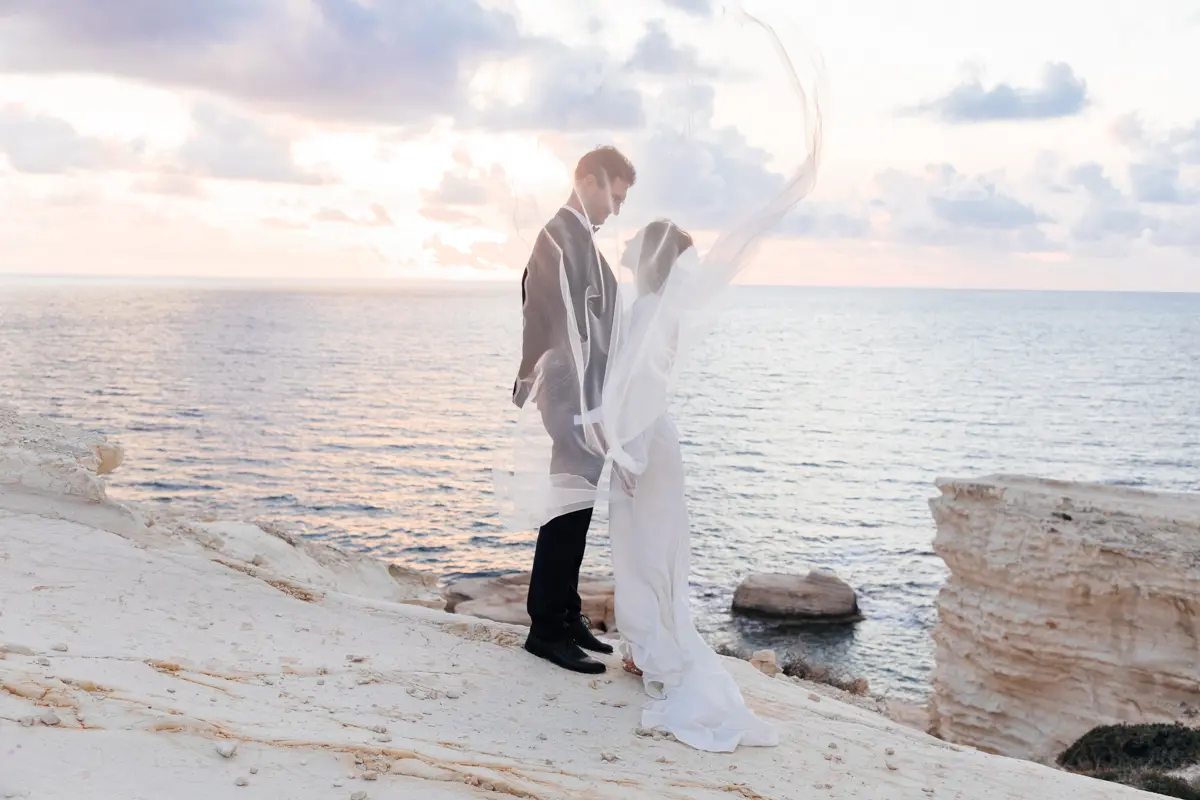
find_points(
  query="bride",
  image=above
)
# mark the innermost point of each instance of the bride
(694, 697)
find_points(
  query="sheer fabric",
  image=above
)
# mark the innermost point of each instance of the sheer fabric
(589, 387)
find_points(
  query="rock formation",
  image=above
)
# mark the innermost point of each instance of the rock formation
(45, 456)
(503, 599)
(818, 596)
(1068, 606)
(149, 658)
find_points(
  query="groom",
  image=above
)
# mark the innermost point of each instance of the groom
(559, 631)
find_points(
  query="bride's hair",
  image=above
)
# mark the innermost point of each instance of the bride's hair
(662, 242)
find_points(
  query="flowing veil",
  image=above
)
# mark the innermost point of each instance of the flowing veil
(590, 385)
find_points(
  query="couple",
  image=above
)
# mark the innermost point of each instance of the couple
(597, 377)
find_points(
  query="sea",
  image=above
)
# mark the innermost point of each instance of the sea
(814, 423)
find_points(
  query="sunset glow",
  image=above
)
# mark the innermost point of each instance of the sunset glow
(961, 149)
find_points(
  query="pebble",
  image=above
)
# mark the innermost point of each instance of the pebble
(610, 757)
(212, 699)
(355, 659)
(891, 751)
(370, 775)
(49, 718)
(377, 729)
(60, 647)
(832, 746)
(322, 671)
(321, 682)
(359, 796)
(170, 691)
(268, 682)
(453, 694)
(43, 661)
(337, 784)
(226, 748)
(254, 770)
(541, 737)
(242, 781)
(891, 766)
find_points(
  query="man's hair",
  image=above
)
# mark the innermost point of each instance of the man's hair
(606, 163)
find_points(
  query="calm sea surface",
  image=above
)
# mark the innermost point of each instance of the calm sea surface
(814, 423)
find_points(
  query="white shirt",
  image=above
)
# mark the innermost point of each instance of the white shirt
(587, 226)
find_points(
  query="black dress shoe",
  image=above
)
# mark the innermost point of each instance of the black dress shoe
(564, 653)
(581, 633)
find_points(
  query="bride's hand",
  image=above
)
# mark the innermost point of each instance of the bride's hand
(628, 482)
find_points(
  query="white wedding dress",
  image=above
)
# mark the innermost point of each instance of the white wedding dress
(693, 696)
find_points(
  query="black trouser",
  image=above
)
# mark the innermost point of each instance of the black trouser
(554, 582)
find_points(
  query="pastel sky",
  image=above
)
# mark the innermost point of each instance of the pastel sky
(1016, 144)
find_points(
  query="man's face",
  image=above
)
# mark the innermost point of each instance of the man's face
(606, 197)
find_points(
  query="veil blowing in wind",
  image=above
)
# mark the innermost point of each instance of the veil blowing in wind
(585, 358)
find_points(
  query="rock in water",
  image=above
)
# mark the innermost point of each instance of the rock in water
(503, 599)
(764, 661)
(818, 596)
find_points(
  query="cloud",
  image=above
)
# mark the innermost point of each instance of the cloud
(704, 178)
(174, 184)
(451, 216)
(481, 255)
(570, 89)
(1157, 173)
(231, 146)
(394, 62)
(1060, 94)
(400, 63)
(1111, 218)
(943, 207)
(656, 53)
(41, 144)
(701, 8)
(378, 217)
(812, 221)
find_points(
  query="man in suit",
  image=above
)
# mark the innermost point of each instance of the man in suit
(570, 311)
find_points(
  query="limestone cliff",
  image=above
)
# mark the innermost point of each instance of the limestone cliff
(1068, 606)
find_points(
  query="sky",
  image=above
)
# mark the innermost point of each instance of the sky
(1019, 144)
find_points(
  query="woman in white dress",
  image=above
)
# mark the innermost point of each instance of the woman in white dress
(693, 696)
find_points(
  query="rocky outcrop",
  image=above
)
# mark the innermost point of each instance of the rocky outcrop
(140, 669)
(503, 599)
(1068, 606)
(44, 456)
(818, 596)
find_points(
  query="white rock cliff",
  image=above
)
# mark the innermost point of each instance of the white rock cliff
(1068, 606)
(151, 658)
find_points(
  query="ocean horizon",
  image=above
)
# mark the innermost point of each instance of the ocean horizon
(814, 421)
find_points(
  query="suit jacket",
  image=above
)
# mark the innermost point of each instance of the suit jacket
(594, 301)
